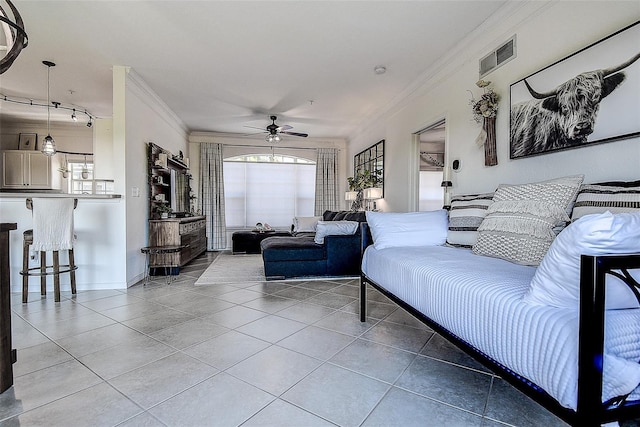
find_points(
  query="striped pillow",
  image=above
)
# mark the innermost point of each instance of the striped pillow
(465, 216)
(615, 197)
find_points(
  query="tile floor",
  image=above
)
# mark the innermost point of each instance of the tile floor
(251, 354)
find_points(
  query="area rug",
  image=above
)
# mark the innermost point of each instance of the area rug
(227, 268)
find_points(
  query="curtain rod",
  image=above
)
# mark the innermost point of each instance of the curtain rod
(270, 147)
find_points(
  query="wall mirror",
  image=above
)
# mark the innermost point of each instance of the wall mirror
(371, 159)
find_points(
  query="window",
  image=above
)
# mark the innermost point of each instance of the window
(77, 183)
(268, 189)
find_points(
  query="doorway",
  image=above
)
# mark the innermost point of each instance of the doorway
(431, 154)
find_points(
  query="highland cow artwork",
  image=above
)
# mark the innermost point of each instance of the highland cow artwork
(593, 96)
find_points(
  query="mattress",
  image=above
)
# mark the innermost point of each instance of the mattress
(479, 299)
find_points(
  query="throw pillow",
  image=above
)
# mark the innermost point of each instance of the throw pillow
(465, 216)
(334, 228)
(523, 225)
(614, 197)
(408, 229)
(519, 231)
(302, 224)
(557, 279)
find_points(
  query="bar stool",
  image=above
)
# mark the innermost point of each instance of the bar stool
(46, 270)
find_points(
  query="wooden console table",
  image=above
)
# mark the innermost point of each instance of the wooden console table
(7, 354)
(188, 233)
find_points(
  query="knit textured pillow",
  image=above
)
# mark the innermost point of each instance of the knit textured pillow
(524, 219)
(465, 216)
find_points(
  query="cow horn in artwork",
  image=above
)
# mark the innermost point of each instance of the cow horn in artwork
(608, 71)
(538, 95)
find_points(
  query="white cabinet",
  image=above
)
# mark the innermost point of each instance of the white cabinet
(28, 170)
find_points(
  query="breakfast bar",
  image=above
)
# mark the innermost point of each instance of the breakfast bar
(99, 229)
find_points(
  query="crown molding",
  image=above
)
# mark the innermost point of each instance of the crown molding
(152, 100)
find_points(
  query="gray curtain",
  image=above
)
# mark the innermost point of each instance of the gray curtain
(327, 181)
(212, 195)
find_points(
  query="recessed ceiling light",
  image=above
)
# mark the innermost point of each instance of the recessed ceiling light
(380, 69)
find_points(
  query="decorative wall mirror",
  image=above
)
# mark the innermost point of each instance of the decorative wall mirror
(371, 159)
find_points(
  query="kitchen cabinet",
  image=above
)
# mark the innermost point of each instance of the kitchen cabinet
(25, 169)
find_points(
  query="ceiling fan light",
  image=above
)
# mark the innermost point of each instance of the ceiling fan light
(48, 146)
(276, 138)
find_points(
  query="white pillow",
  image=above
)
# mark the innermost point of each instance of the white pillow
(334, 228)
(408, 229)
(557, 279)
(305, 223)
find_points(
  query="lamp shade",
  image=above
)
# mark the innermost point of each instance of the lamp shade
(373, 193)
(48, 146)
(351, 195)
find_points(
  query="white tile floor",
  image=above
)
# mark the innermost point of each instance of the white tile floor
(252, 354)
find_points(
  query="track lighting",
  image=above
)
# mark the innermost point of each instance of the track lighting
(90, 122)
(48, 144)
(74, 111)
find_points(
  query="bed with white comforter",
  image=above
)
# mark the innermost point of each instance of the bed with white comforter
(480, 299)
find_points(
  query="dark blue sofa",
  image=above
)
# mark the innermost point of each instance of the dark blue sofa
(299, 256)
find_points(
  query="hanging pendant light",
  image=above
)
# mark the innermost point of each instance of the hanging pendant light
(85, 170)
(48, 144)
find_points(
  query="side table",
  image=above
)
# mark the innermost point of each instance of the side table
(164, 260)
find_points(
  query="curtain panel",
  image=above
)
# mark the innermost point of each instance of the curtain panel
(327, 181)
(212, 195)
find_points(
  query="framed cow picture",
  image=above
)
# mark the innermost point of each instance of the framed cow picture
(587, 98)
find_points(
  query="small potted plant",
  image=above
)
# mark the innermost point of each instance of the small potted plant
(64, 170)
(164, 210)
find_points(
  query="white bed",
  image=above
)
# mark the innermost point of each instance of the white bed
(479, 299)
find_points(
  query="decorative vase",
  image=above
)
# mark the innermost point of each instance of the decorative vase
(164, 215)
(490, 152)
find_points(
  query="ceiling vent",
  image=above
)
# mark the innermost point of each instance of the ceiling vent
(503, 54)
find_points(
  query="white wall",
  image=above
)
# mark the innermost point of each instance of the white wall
(139, 117)
(103, 161)
(76, 137)
(546, 32)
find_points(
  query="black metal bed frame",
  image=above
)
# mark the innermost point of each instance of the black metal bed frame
(590, 409)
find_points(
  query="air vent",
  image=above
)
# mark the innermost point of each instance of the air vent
(503, 54)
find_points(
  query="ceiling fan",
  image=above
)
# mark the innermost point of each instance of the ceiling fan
(273, 131)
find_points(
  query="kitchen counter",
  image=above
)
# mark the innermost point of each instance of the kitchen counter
(100, 246)
(22, 194)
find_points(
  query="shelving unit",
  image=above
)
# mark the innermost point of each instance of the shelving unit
(169, 186)
(169, 182)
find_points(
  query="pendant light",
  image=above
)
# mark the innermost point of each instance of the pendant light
(48, 144)
(85, 170)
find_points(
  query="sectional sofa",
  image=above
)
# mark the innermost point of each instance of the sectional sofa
(326, 246)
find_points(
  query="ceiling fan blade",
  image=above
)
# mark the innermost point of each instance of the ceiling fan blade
(303, 135)
(253, 127)
(284, 127)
